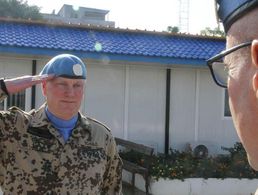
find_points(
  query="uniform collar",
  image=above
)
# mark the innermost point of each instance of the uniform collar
(40, 120)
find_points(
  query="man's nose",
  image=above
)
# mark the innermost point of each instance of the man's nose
(70, 91)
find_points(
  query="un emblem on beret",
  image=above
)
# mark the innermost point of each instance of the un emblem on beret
(77, 70)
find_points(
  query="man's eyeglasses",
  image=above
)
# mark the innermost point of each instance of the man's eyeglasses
(218, 68)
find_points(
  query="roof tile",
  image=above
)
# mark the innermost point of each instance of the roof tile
(115, 42)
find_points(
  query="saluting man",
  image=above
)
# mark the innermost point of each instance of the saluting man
(56, 149)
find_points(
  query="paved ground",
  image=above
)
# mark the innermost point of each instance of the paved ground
(129, 190)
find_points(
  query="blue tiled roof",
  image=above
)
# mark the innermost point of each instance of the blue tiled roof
(38, 38)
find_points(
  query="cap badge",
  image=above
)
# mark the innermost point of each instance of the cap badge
(77, 69)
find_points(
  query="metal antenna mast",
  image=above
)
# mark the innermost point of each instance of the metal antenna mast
(184, 16)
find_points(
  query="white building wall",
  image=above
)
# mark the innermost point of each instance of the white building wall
(39, 97)
(104, 98)
(13, 67)
(197, 112)
(130, 100)
(213, 126)
(147, 95)
(182, 107)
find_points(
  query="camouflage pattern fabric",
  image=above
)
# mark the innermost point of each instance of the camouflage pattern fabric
(36, 160)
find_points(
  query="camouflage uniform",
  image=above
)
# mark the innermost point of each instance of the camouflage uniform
(36, 160)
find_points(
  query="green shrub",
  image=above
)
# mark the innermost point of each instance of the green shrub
(182, 165)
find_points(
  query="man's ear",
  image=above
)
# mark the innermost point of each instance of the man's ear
(254, 52)
(254, 55)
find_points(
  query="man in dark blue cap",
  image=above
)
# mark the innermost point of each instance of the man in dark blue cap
(236, 69)
(56, 149)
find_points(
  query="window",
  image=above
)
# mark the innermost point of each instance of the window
(17, 100)
(227, 112)
(74, 15)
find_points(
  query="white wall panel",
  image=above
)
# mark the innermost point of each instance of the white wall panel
(104, 98)
(197, 107)
(213, 126)
(39, 96)
(147, 106)
(12, 67)
(182, 107)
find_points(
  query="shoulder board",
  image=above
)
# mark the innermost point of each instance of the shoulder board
(98, 122)
(21, 112)
(14, 108)
(32, 112)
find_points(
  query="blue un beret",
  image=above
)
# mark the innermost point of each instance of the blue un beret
(65, 65)
(231, 10)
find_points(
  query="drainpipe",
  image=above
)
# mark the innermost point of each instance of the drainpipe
(33, 89)
(167, 114)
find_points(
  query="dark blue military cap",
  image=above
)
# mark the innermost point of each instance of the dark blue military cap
(231, 10)
(66, 65)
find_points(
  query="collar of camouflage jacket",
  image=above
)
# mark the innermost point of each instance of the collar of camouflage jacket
(40, 120)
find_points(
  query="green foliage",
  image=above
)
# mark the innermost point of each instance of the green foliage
(173, 29)
(182, 165)
(212, 32)
(19, 9)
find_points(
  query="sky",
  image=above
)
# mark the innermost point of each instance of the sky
(143, 14)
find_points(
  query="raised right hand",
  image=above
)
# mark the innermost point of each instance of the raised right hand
(18, 84)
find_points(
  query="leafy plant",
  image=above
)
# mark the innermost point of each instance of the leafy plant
(182, 165)
(19, 9)
(212, 32)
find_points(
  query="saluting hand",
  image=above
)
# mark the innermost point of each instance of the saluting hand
(17, 84)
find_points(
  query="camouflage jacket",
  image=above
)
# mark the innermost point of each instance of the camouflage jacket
(36, 160)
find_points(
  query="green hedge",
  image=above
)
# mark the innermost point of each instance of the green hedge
(182, 165)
